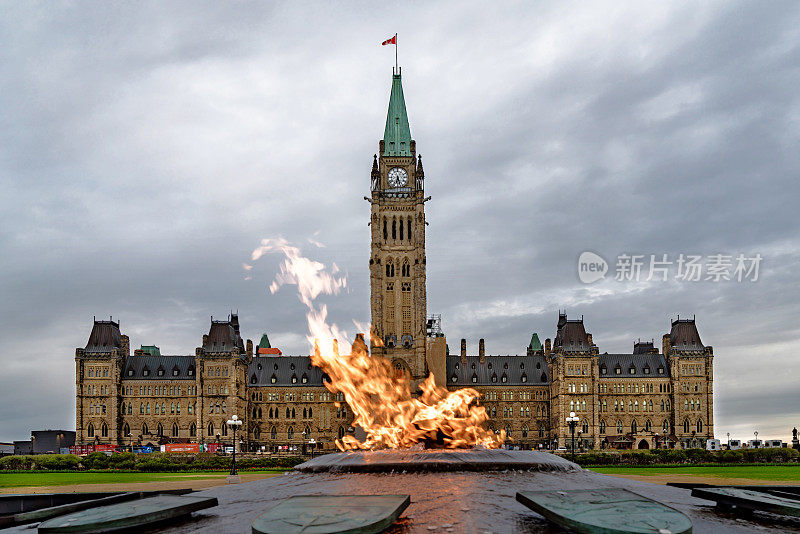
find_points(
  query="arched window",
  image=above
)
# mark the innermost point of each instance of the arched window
(193, 430)
(619, 426)
(145, 430)
(634, 427)
(602, 426)
(123, 407)
(290, 433)
(307, 432)
(524, 431)
(585, 427)
(259, 413)
(147, 409)
(224, 408)
(256, 433)
(160, 430)
(294, 414)
(409, 228)
(394, 229)
(699, 425)
(270, 412)
(648, 425)
(104, 430)
(385, 232)
(255, 413)
(340, 433)
(310, 413)
(90, 431)
(401, 228)
(210, 429)
(665, 426)
(686, 426)
(224, 428)
(288, 413)
(126, 430)
(273, 433)
(174, 430)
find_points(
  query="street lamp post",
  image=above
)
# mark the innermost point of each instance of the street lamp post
(572, 420)
(756, 434)
(729, 441)
(234, 423)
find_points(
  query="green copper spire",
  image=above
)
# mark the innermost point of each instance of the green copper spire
(397, 135)
(264, 343)
(535, 345)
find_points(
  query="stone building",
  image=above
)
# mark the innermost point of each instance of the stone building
(643, 399)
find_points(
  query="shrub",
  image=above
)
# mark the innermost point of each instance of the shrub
(123, 460)
(96, 460)
(699, 456)
(16, 463)
(56, 462)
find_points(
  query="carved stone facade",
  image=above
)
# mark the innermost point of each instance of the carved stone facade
(643, 399)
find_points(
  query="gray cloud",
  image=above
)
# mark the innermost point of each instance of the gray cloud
(145, 150)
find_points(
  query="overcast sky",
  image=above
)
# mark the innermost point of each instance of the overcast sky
(147, 148)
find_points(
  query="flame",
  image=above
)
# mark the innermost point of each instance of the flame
(381, 401)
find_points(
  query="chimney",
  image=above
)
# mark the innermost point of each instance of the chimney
(126, 345)
(547, 347)
(482, 350)
(463, 349)
(205, 339)
(589, 338)
(665, 344)
(250, 348)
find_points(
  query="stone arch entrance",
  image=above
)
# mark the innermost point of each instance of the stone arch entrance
(644, 444)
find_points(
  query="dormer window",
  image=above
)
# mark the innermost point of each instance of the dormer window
(524, 377)
(454, 378)
(474, 378)
(618, 370)
(603, 370)
(259, 366)
(661, 370)
(190, 371)
(276, 367)
(494, 377)
(130, 372)
(504, 378)
(273, 379)
(304, 379)
(145, 372)
(473, 365)
(632, 370)
(291, 367)
(175, 371)
(253, 379)
(538, 365)
(522, 366)
(457, 366)
(490, 365)
(505, 365)
(294, 379)
(160, 371)
(647, 370)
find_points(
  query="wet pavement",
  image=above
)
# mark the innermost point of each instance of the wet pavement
(454, 501)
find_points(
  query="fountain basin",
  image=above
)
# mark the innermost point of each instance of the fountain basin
(437, 460)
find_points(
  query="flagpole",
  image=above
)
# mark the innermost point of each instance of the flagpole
(395, 54)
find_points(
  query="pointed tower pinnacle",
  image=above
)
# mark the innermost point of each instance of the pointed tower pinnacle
(397, 135)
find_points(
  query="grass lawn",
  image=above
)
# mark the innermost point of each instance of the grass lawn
(755, 472)
(20, 479)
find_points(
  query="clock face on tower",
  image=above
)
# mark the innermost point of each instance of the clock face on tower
(398, 177)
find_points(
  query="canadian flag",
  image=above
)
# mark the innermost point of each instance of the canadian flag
(393, 41)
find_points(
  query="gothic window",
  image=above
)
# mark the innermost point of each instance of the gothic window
(524, 431)
(90, 431)
(147, 409)
(385, 235)
(401, 229)
(633, 426)
(665, 427)
(256, 433)
(340, 433)
(193, 430)
(619, 426)
(145, 430)
(255, 413)
(294, 414)
(174, 430)
(686, 426)
(662, 405)
(602, 426)
(290, 433)
(273, 433)
(394, 228)
(175, 371)
(409, 228)
(270, 412)
(504, 378)
(160, 371)
(310, 412)
(305, 414)
(585, 428)
(126, 430)
(259, 413)
(210, 429)
(288, 413)
(648, 425)
(699, 425)
(224, 428)
(160, 430)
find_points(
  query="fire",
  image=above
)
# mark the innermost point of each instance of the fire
(382, 403)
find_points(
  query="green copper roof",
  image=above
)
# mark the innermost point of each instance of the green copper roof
(397, 135)
(264, 343)
(535, 343)
(152, 350)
